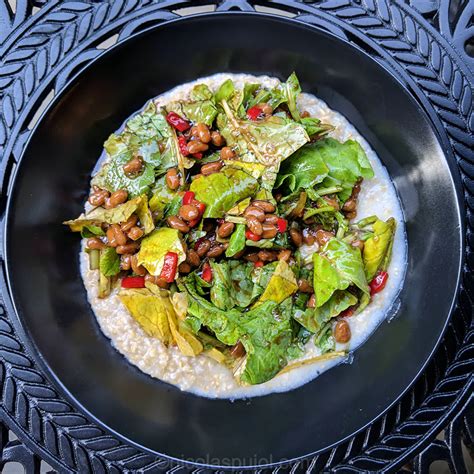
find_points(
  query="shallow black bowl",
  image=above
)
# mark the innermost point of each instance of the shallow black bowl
(52, 182)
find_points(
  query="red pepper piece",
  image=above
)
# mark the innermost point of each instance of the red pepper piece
(179, 123)
(170, 265)
(378, 283)
(198, 156)
(133, 282)
(188, 197)
(206, 272)
(258, 264)
(251, 236)
(194, 222)
(183, 145)
(254, 113)
(282, 225)
(200, 205)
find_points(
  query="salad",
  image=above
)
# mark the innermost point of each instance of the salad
(226, 223)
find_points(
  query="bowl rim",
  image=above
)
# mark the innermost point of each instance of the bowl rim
(422, 104)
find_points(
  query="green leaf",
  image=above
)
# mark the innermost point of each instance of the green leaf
(225, 91)
(313, 319)
(162, 197)
(221, 191)
(109, 263)
(281, 285)
(202, 111)
(155, 246)
(336, 267)
(116, 215)
(201, 92)
(378, 248)
(314, 127)
(290, 90)
(91, 231)
(237, 241)
(267, 142)
(143, 135)
(325, 340)
(304, 169)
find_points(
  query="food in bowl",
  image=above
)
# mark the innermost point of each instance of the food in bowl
(240, 237)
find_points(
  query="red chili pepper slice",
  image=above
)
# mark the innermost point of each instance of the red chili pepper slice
(194, 222)
(258, 264)
(170, 265)
(378, 283)
(200, 205)
(188, 197)
(133, 282)
(198, 156)
(179, 123)
(282, 225)
(251, 236)
(206, 272)
(183, 145)
(254, 113)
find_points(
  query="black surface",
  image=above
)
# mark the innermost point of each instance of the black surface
(51, 186)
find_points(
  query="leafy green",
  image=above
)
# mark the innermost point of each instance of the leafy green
(313, 127)
(225, 91)
(200, 111)
(237, 241)
(221, 191)
(336, 267)
(201, 92)
(155, 246)
(325, 340)
(91, 231)
(115, 215)
(313, 319)
(143, 135)
(378, 248)
(162, 197)
(109, 262)
(281, 285)
(304, 169)
(267, 141)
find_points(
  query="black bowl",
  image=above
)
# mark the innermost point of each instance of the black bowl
(52, 182)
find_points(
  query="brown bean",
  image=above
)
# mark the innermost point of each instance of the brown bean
(203, 132)
(217, 139)
(157, 280)
(296, 237)
(129, 223)
(189, 212)
(332, 201)
(227, 153)
(312, 301)
(110, 234)
(177, 223)
(192, 258)
(172, 179)
(137, 269)
(256, 212)
(267, 109)
(252, 257)
(116, 198)
(238, 350)
(193, 132)
(134, 166)
(323, 236)
(351, 215)
(284, 255)
(267, 256)
(264, 206)
(135, 233)
(342, 331)
(210, 168)
(254, 225)
(305, 114)
(215, 251)
(94, 243)
(278, 197)
(120, 237)
(225, 229)
(131, 247)
(98, 197)
(269, 231)
(196, 146)
(350, 205)
(271, 219)
(358, 244)
(125, 262)
(308, 237)
(184, 267)
(304, 286)
(202, 247)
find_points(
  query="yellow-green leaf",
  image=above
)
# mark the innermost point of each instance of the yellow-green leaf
(282, 284)
(377, 249)
(156, 245)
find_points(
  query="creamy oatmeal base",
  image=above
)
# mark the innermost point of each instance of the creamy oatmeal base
(203, 375)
